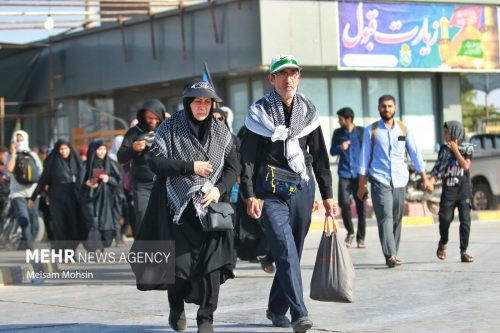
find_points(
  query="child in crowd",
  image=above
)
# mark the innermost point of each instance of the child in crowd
(452, 166)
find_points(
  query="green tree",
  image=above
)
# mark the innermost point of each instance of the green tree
(472, 113)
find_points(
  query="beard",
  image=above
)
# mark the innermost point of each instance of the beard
(387, 116)
(152, 127)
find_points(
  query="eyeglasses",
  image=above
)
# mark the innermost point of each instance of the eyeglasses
(283, 74)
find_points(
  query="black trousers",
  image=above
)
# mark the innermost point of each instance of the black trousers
(207, 296)
(446, 214)
(348, 187)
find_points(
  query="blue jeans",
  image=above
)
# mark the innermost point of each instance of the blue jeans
(25, 218)
(286, 221)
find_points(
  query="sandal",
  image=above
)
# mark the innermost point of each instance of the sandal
(441, 251)
(466, 257)
(348, 240)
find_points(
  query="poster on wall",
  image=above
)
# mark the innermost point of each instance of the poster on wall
(418, 37)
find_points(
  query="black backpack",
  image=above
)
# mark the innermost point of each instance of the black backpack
(26, 170)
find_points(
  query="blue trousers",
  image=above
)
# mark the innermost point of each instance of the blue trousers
(26, 219)
(286, 222)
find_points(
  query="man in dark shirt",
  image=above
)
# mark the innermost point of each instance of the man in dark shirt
(346, 143)
(284, 133)
(134, 150)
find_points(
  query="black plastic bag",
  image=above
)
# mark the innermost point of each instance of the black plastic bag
(333, 274)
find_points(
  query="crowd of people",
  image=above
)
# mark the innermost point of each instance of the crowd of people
(268, 172)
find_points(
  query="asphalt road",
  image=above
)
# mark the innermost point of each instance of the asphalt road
(423, 294)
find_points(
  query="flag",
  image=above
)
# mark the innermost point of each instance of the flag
(206, 75)
(207, 78)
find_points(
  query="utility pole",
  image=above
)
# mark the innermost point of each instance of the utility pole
(2, 119)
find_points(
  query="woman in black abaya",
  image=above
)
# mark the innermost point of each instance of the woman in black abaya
(195, 159)
(58, 179)
(99, 177)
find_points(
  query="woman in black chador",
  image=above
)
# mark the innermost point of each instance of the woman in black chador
(58, 179)
(196, 164)
(99, 176)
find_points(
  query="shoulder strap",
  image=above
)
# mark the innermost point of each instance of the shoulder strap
(402, 126)
(373, 136)
(359, 131)
(404, 130)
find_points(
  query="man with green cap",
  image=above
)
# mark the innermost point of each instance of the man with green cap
(281, 150)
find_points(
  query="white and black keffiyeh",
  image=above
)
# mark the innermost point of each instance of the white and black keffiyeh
(266, 117)
(174, 140)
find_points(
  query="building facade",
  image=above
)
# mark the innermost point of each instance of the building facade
(107, 72)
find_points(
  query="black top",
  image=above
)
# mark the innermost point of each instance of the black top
(257, 150)
(58, 171)
(456, 180)
(139, 160)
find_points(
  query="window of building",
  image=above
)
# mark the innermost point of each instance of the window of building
(417, 111)
(417, 96)
(238, 102)
(378, 87)
(316, 89)
(347, 92)
(257, 90)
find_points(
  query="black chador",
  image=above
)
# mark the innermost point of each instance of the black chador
(58, 179)
(97, 203)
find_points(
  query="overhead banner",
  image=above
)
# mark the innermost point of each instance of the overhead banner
(428, 37)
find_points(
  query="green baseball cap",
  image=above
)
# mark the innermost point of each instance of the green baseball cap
(283, 61)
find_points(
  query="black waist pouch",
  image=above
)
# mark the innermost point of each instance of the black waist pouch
(279, 181)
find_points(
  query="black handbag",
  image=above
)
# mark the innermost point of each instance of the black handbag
(219, 217)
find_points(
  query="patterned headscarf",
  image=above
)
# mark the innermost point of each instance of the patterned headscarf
(266, 117)
(456, 129)
(175, 140)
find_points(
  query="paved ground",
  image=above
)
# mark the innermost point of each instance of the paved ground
(423, 294)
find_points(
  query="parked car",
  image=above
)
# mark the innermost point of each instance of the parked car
(485, 170)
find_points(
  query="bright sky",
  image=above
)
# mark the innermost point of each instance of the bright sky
(31, 35)
(26, 36)
(493, 98)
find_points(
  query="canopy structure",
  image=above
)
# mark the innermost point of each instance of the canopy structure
(78, 14)
(486, 83)
(16, 66)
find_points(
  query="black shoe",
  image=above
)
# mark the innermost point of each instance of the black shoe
(278, 320)
(267, 265)
(177, 320)
(205, 327)
(302, 324)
